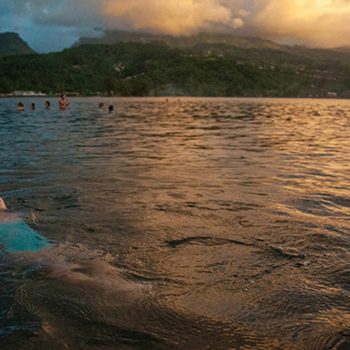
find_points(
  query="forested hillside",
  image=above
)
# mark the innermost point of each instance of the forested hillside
(151, 69)
(12, 44)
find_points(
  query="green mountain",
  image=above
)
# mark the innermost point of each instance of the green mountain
(118, 36)
(205, 69)
(12, 44)
(226, 44)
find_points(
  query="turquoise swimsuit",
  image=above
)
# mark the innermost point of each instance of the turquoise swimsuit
(20, 237)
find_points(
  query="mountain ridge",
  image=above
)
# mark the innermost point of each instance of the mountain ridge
(219, 42)
(12, 44)
(119, 36)
(136, 69)
(204, 65)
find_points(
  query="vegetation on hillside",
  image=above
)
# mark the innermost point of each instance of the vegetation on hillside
(118, 36)
(155, 69)
(12, 44)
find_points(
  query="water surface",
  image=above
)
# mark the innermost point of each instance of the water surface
(179, 224)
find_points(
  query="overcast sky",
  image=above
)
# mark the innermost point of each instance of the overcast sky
(51, 25)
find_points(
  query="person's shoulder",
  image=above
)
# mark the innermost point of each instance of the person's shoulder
(2, 204)
(6, 218)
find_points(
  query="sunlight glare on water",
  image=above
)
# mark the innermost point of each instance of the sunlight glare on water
(179, 224)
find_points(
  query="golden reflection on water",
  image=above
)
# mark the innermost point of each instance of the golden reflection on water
(234, 212)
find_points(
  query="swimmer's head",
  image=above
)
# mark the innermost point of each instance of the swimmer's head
(2, 204)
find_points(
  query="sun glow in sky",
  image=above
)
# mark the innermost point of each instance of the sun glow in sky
(323, 23)
(53, 24)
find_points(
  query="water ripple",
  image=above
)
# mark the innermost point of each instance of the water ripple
(179, 223)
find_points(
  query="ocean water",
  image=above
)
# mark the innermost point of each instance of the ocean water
(178, 224)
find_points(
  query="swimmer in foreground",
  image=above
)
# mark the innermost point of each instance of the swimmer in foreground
(74, 264)
(16, 235)
(2, 204)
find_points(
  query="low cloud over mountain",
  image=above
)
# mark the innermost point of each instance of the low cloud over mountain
(54, 24)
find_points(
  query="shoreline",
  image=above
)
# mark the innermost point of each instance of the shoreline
(74, 96)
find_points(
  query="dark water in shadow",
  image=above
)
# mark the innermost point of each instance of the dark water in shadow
(199, 223)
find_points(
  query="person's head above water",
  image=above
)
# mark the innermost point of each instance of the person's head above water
(20, 107)
(2, 204)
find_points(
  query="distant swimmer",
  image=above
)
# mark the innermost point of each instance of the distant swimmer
(32, 106)
(47, 105)
(100, 105)
(63, 102)
(110, 108)
(20, 107)
(16, 235)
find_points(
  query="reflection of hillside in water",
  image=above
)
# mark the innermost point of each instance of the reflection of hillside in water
(228, 219)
